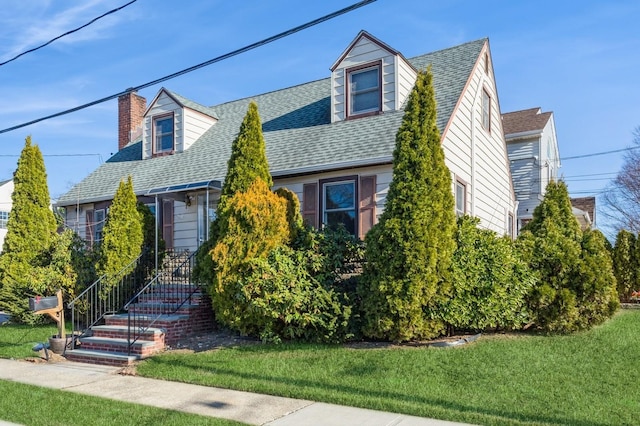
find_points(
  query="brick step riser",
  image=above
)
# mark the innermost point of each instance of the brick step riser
(137, 350)
(97, 360)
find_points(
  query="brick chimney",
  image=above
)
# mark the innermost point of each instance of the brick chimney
(131, 108)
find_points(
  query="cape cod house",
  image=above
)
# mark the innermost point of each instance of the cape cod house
(330, 141)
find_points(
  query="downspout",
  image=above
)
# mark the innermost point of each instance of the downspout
(156, 236)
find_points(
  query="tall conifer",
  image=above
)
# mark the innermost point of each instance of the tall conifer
(625, 263)
(247, 162)
(31, 230)
(122, 234)
(409, 252)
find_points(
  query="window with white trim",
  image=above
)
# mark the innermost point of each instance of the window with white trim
(99, 217)
(4, 219)
(486, 110)
(510, 225)
(339, 204)
(364, 90)
(461, 198)
(163, 136)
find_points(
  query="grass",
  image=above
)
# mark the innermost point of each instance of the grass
(16, 340)
(34, 406)
(586, 379)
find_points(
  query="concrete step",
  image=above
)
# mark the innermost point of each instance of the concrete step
(101, 357)
(140, 348)
(152, 334)
(144, 320)
(152, 308)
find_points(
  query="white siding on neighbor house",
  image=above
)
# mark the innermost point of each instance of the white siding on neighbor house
(5, 205)
(185, 226)
(478, 156)
(195, 125)
(398, 77)
(164, 104)
(525, 168)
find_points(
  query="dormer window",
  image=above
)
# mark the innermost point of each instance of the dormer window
(163, 136)
(365, 96)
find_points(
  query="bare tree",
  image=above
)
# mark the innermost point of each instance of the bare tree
(622, 198)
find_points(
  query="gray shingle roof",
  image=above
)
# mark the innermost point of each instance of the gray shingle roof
(297, 129)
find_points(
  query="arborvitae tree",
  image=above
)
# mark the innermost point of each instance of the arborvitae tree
(625, 264)
(596, 284)
(122, 235)
(248, 161)
(31, 231)
(573, 269)
(409, 252)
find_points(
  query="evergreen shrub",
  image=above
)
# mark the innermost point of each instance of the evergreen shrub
(491, 281)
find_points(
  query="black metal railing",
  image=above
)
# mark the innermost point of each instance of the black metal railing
(108, 295)
(165, 294)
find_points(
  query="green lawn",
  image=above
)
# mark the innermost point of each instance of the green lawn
(34, 406)
(16, 340)
(587, 379)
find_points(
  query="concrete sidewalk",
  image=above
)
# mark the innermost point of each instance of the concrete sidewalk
(250, 408)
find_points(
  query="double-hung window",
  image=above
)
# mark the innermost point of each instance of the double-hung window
(163, 134)
(461, 198)
(4, 219)
(486, 110)
(339, 204)
(98, 224)
(364, 90)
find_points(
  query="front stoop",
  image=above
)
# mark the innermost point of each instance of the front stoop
(107, 344)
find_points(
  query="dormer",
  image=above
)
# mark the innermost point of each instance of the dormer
(172, 124)
(369, 78)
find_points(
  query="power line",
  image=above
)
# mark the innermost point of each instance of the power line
(201, 65)
(599, 153)
(67, 33)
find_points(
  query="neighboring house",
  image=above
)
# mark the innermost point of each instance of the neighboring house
(330, 141)
(584, 208)
(533, 153)
(532, 145)
(6, 189)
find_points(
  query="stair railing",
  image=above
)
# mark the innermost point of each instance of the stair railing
(103, 297)
(165, 294)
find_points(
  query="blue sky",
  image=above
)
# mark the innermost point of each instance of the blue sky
(578, 59)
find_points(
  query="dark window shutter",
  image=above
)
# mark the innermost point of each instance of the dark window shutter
(310, 204)
(367, 211)
(167, 223)
(88, 230)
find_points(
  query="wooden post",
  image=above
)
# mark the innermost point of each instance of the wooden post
(57, 313)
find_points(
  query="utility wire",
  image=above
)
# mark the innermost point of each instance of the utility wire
(599, 153)
(68, 33)
(201, 65)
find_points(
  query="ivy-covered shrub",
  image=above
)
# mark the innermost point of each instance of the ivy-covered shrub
(490, 281)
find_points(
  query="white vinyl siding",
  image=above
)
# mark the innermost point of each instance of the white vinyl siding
(196, 124)
(185, 226)
(478, 157)
(163, 105)
(397, 77)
